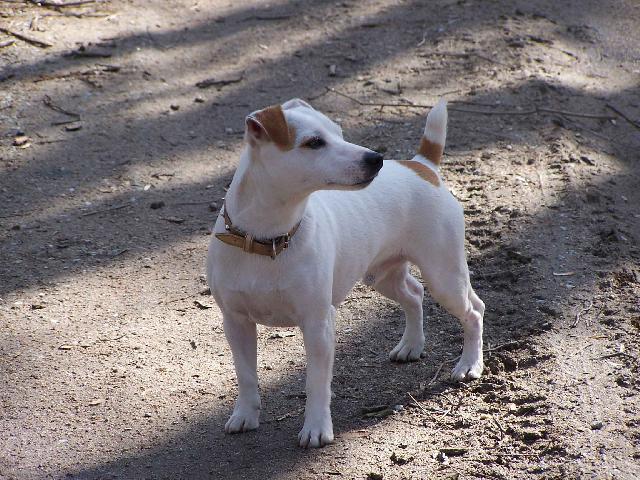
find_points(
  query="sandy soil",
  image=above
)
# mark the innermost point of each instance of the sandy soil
(113, 161)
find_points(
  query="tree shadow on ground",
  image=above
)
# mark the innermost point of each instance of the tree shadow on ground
(202, 450)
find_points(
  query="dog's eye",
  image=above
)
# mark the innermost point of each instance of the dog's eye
(314, 143)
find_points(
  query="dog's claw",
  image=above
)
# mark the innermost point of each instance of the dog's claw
(467, 369)
(407, 351)
(242, 420)
(316, 434)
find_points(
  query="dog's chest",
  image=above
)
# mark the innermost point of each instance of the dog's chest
(271, 308)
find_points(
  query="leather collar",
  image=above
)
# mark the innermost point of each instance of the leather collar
(269, 247)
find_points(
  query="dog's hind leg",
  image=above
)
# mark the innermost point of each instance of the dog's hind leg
(451, 288)
(241, 335)
(398, 284)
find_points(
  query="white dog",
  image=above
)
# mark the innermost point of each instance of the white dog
(288, 248)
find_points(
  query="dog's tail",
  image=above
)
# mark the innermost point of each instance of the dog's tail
(435, 133)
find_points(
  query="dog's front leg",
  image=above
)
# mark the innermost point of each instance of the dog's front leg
(241, 335)
(319, 344)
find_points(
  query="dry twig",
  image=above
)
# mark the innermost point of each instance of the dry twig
(435, 376)
(498, 347)
(415, 402)
(50, 4)
(532, 111)
(25, 38)
(57, 108)
(266, 17)
(623, 115)
(220, 82)
(111, 209)
(464, 55)
(580, 312)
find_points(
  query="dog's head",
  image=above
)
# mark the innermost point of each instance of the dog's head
(293, 142)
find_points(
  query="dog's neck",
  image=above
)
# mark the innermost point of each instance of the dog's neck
(259, 204)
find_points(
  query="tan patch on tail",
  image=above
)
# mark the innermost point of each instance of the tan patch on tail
(275, 124)
(423, 171)
(430, 150)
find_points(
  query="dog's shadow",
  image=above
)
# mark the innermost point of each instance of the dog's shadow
(367, 387)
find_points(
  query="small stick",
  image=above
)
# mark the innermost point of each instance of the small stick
(192, 203)
(435, 377)
(517, 454)
(612, 355)
(478, 112)
(79, 73)
(110, 339)
(77, 3)
(7, 43)
(18, 214)
(64, 122)
(177, 299)
(117, 207)
(574, 114)
(464, 55)
(424, 410)
(220, 82)
(24, 38)
(544, 193)
(497, 347)
(373, 104)
(623, 115)
(49, 103)
(580, 312)
(495, 420)
(266, 17)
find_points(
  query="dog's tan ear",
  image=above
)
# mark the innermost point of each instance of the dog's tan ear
(270, 125)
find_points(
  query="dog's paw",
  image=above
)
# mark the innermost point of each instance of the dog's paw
(407, 350)
(467, 369)
(316, 433)
(243, 420)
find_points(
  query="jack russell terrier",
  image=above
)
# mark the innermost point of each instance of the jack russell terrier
(289, 247)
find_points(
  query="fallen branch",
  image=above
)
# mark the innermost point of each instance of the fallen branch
(375, 104)
(100, 68)
(24, 38)
(57, 108)
(7, 43)
(532, 111)
(180, 204)
(498, 347)
(613, 355)
(435, 377)
(415, 402)
(52, 4)
(464, 55)
(580, 312)
(266, 17)
(111, 209)
(177, 299)
(623, 115)
(219, 82)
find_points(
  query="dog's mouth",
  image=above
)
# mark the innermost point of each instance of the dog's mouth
(365, 182)
(352, 186)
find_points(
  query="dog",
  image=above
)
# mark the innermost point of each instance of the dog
(306, 216)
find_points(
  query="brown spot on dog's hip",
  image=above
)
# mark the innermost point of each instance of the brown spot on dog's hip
(422, 170)
(431, 150)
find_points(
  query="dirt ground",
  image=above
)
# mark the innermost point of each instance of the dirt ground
(113, 363)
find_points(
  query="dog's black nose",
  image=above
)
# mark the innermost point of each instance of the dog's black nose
(373, 160)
